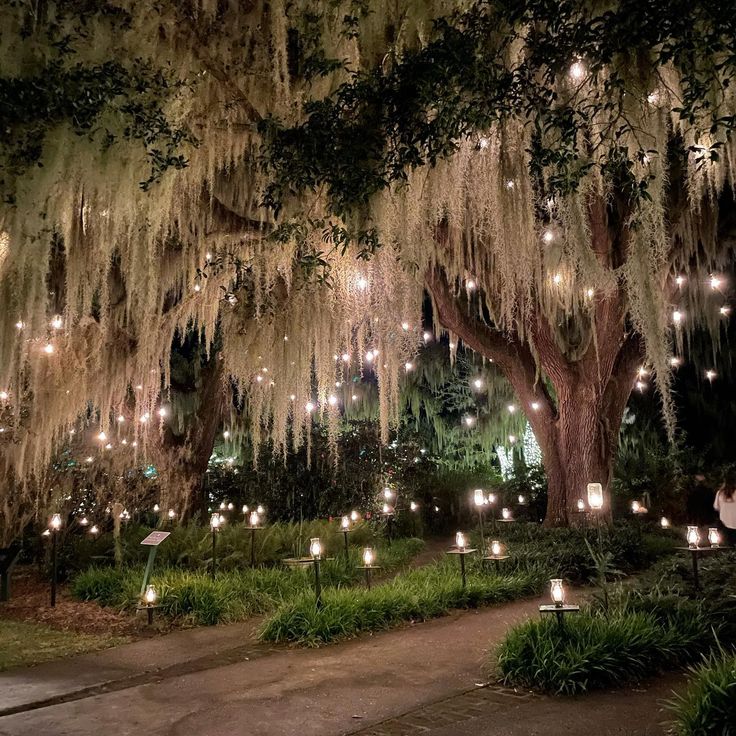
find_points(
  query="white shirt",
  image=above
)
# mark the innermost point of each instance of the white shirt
(726, 509)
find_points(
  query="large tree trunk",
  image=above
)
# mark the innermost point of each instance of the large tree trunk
(578, 428)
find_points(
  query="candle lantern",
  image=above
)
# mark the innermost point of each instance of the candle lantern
(714, 537)
(693, 537)
(595, 496)
(315, 549)
(557, 591)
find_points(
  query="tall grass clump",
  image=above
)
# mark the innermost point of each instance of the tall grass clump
(414, 596)
(595, 649)
(708, 706)
(236, 594)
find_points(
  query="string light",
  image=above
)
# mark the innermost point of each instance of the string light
(640, 385)
(408, 367)
(680, 280)
(19, 325)
(4, 395)
(57, 323)
(470, 285)
(557, 279)
(511, 408)
(48, 348)
(715, 282)
(332, 400)
(535, 406)
(469, 421)
(478, 383)
(362, 283)
(101, 436)
(121, 419)
(677, 316)
(405, 326)
(675, 361)
(427, 336)
(548, 236)
(725, 311)
(510, 184)
(710, 374)
(309, 407)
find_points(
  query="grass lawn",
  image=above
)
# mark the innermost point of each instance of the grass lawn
(23, 643)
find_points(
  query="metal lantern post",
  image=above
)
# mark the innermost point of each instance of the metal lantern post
(215, 522)
(368, 566)
(461, 550)
(54, 526)
(315, 549)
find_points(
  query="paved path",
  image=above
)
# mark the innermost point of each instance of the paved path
(422, 679)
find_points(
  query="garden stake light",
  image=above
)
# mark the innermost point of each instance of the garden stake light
(149, 603)
(215, 521)
(480, 501)
(315, 549)
(695, 550)
(345, 528)
(461, 550)
(54, 528)
(559, 608)
(369, 558)
(496, 555)
(254, 527)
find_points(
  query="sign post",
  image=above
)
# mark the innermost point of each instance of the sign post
(152, 540)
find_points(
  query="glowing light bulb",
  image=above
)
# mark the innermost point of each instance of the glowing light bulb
(535, 406)
(715, 282)
(48, 348)
(510, 184)
(89, 459)
(368, 557)
(470, 284)
(478, 383)
(156, 508)
(388, 494)
(548, 236)
(710, 374)
(677, 316)
(4, 395)
(557, 279)
(19, 325)
(171, 513)
(653, 97)
(590, 293)
(162, 412)
(405, 326)
(680, 280)
(483, 143)
(57, 322)
(362, 283)
(55, 523)
(635, 507)
(84, 521)
(346, 357)
(332, 400)
(664, 522)
(94, 530)
(491, 499)
(512, 439)
(427, 336)
(469, 421)
(640, 385)
(315, 548)
(101, 436)
(354, 516)
(408, 367)
(557, 591)
(577, 71)
(675, 361)
(522, 499)
(511, 408)
(725, 311)
(595, 496)
(693, 537)
(260, 510)
(121, 419)
(581, 505)
(108, 446)
(413, 506)
(150, 595)
(387, 509)
(197, 287)
(245, 509)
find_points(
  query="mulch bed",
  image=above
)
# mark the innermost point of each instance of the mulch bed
(29, 601)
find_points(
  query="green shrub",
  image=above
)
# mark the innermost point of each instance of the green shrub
(708, 706)
(593, 649)
(413, 596)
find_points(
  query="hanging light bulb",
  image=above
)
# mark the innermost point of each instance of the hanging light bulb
(677, 316)
(577, 70)
(511, 408)
(710, 374)
(535, 406)
(57, 323)
(93, 530)
(48, 348)
(55, 523)
(478, 383)
(354, 516)
(309, 407)
(84, 521)
(413, 506)
(548, 236)
(260, 510)
(156, 508)
(715, 282)
(664, 522)
(101, 436)
(469, 421)
(332, 400)
(427, 336)
(4, 395)
(408, 367)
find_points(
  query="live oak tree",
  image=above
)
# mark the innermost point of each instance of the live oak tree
(296, 176)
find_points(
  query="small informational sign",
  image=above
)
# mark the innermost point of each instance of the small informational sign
(155, 538)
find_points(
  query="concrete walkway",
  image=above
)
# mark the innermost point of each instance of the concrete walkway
(420, 679)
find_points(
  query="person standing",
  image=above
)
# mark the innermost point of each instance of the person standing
(725, 505)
